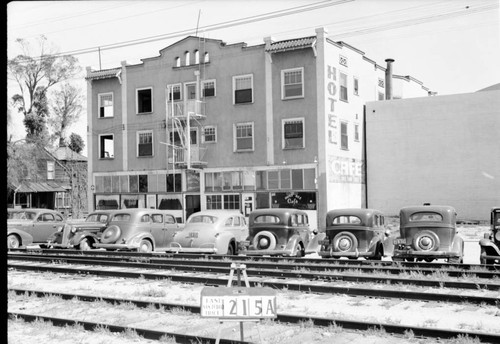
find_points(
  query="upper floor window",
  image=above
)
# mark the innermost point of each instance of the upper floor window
(208, 87)
(243, 137)
(144, 100)
(344, 136)
(356, 132)
(356, 86)
(106, 146)
(177, 61)
(206, 58)
(209, 134)
(243, 89)
(144, 143)
(175, 91)
(196, 56)
(343, 86)
(187, 57)
(50, 170)
(293, 133)
(105, 103)
(292, 81)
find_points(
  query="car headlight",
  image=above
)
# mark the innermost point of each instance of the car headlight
(497, 235)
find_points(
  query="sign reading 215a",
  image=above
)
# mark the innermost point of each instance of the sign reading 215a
(238, 302)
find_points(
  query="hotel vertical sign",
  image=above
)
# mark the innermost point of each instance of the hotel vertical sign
(331, 87)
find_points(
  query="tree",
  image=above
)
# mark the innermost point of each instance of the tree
(35, 76)
(66, 110)
(76, 143)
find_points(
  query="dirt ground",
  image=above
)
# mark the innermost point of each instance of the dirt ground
(402, 312)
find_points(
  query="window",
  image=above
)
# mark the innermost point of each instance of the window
(144, 143)
(243, 89)
(144, 100)
(381, 96)
(356, 132)
(105, 103)
(292, 81)
(190, 90)
(223, 202)
(206, 59)
(344, 137)
(293, 133)
(196, 57)
(209, 134)
(177, 61)
(106, 146)
(174, 90)
(50, 170)
(356, 87)
(343, 86)
(243, 135)
(174, 182)
(187, 57)
(208, 87)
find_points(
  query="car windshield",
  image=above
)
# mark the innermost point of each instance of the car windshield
(103, 218)
(22, 215)
(121, 217)
(267, 219)
(346, 219)
(425, 216)
(203, 219)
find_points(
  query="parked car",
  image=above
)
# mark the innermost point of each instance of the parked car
(81, 234)
(428, 232)
(490, 245)
(139, 229)
(277, 232)
(31, 226)
(352, 233)
(211, 231)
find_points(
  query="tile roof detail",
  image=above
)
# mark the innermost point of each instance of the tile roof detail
(292, 44)
(104, 74)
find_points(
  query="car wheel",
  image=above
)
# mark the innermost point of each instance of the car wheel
(111, 234)
(410, 259)
(145, 246)
(299, 251)
(428, 260)
(85, 245)
(264, 240)
(13, 241)
(230, 250)
(345, 242)
(426, 241)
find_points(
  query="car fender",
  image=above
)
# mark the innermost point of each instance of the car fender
(55, 238)
(26, 238)
(222, 242)
(314, 246)
(79, 236)
(458, 245)
(294, 239)
(489, 246)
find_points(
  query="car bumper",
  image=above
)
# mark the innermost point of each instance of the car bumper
(424, 254)
(266, 252)
(355, 254)
(117, 246)
(177, 248)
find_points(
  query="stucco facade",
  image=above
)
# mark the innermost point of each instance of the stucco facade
(210, 125)
(443, 150)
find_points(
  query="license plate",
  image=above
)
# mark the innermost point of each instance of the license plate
(399, 241)
(192, 234)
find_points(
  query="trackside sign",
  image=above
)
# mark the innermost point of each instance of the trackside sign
(238, 303)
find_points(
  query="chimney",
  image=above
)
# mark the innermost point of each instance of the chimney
(388, 79)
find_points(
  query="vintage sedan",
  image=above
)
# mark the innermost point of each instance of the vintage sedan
(139, 229)
(278, 232)
(211, 231)
(352, 233)
(31, 226)
(490, 244)
(81, 234)
(427, 233)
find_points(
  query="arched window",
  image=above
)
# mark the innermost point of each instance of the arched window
(207, 57)
(186, 58)
(196, 57)
(177, 61)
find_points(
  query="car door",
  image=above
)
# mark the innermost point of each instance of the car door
(169, 229)
(45, 225)
(157, 229)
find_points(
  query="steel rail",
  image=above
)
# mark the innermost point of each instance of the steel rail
(207, 266)
(316, 265)
(320, 287)
(147, 334)
(484, 337)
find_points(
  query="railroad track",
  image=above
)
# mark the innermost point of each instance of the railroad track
(213, 272)
(423, 332)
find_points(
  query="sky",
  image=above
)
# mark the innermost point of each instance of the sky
(452, 46)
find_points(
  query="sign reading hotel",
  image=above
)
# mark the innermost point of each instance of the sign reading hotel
(331, 87)
(238, 303)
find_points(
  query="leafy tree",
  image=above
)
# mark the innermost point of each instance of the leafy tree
(35, 76)
(76, 143)
(66, 110)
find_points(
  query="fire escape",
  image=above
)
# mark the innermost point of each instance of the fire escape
(184, 127)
